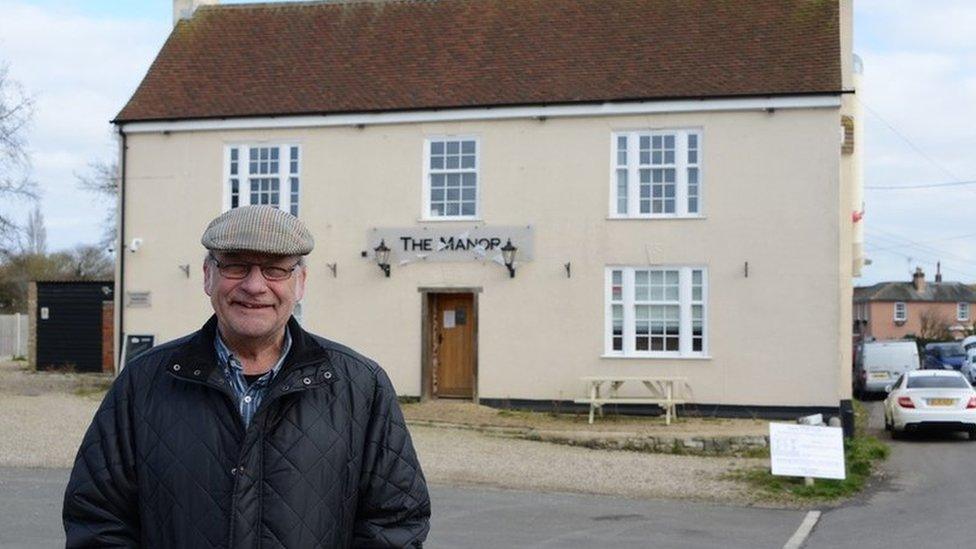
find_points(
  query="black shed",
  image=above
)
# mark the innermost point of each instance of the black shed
(70, 319)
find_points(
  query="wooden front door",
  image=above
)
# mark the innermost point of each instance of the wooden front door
(453, 329)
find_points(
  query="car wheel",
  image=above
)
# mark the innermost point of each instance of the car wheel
(972, 434)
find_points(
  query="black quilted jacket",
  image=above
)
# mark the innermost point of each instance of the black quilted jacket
(326, 462)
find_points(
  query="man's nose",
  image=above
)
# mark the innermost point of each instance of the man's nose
(254, 282)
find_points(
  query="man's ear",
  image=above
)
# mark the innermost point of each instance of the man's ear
(207, 277)
(300, 283)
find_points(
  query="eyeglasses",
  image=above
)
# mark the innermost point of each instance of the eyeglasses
(239, 271)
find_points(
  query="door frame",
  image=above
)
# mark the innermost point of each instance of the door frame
(426, 360)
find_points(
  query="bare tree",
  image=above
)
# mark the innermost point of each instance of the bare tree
(88, 262)
(35, 234)
(934, 326)
(103, 180)
(83, 262)
(16, 112)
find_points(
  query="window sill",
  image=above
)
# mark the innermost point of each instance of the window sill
(653, 217)
(449, 219)
(659, 357)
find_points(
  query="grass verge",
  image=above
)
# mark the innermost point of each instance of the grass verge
(90, 391)
(862, 453)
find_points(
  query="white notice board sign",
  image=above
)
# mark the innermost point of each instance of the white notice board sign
(806, 451)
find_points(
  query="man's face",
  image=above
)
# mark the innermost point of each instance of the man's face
(253, 307)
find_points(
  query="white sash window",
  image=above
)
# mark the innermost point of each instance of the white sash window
(262, 174)
(656, 312)
(656, 174)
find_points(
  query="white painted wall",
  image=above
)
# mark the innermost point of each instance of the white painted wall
(772, 194)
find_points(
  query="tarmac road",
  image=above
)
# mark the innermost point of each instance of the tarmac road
(929, 501)
(470, 517)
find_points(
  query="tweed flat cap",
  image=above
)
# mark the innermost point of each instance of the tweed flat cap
(258, 229)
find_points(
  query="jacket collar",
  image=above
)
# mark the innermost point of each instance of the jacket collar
(198, 360)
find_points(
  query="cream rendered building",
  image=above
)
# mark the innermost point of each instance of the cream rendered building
(705, 234)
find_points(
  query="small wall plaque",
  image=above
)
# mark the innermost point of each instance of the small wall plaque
(138, 299)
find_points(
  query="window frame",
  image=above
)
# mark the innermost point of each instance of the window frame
(633, 167)
(904, 311)
(284, 174)
(960, 307)
(685, 304)
(425, 214)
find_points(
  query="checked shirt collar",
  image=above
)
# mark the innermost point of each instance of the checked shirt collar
(249, 397)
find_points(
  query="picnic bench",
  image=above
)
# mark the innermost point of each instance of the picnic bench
(661, 391)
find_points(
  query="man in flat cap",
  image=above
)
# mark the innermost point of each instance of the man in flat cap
(251, 431)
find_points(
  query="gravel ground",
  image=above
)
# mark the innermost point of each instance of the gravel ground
(43, 415)
(43, 431)
(43, 418)
(16, 379)
(464, 412)
(451, 456)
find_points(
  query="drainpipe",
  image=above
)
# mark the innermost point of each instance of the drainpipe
(120, 250)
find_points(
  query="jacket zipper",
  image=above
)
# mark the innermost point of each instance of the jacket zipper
(265, 403)
(230, 401)
(262, 413)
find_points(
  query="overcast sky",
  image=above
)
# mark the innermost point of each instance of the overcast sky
(82, 59)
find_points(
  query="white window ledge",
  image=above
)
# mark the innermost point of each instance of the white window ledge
(659, 357)
(654, 218)
(449, 219)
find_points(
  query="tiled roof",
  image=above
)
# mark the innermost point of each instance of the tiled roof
(905, 291)
(330, 57)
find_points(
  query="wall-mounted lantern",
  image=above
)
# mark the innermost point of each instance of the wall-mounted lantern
(382, 254)
(508, 254)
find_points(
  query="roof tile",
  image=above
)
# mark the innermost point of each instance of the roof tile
(329, 57)
(952, 292)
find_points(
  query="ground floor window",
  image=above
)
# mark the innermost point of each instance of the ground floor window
(656, 312)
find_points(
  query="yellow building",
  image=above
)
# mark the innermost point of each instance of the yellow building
(677, 178)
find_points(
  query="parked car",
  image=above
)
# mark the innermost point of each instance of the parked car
(930, 399)
(879, 363)
(944, 356)
(969, 344)
(968, 370)
(969, 367)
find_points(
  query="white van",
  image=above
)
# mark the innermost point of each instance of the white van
(880, 363)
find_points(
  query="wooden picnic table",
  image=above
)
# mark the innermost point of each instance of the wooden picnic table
(661, 391)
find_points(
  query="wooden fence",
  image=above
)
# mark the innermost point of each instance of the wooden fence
(13, 336)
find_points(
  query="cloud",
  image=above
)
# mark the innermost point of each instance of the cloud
(921, 24)
(81, 69)
(919, 84)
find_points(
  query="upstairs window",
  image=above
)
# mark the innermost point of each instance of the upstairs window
(262, 174)
(901, 312)
(962, 311)
(657, 174)
(451, 178)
